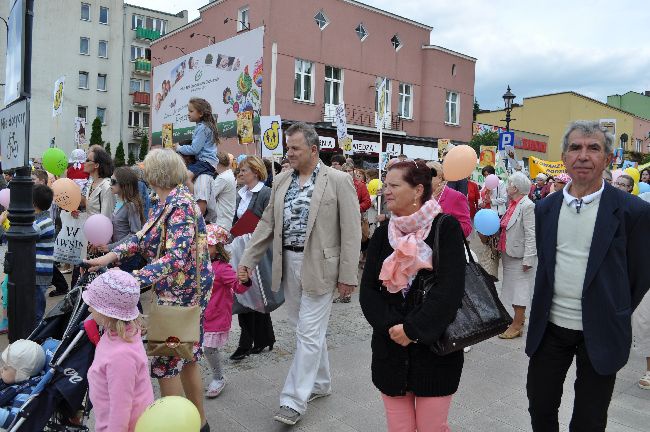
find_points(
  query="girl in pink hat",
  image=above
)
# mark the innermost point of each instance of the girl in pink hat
(218, 314)
(120, 387)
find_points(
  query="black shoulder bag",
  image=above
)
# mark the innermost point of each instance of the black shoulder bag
(481, 315)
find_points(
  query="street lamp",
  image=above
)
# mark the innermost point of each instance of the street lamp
(508, 97)
(210, 38)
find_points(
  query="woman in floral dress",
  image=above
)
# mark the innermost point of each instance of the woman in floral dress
(174, 272)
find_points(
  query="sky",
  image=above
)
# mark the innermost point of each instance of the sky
(595, 47)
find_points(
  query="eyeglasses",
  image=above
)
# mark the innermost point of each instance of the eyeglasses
(90, 160)
(623, 185)
(113, 182)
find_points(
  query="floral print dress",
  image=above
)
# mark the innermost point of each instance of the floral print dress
(174, 273)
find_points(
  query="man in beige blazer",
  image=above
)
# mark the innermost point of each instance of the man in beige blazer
(312, 223)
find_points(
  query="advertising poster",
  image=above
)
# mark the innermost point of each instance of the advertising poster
(168, 135)
(227, 74)
(488, 156)
(57, 106)
(80, 133)
(271, 127)
(245, 127)
(443, 148)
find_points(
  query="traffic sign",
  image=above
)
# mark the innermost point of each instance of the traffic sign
(505, 139)
(14, 133)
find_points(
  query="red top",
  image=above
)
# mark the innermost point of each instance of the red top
(76, 174)
(472, 198)
(362, 195)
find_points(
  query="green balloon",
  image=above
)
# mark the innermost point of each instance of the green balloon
(55, 161)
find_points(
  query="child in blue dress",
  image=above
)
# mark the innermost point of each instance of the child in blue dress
(204, 139)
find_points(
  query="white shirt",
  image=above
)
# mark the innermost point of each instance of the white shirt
(224, 198)
(246, 197)
(576, 203)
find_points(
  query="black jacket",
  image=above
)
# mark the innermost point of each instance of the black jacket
(397, 370)
(617, 277)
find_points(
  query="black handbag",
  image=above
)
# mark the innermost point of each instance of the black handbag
(481, 315)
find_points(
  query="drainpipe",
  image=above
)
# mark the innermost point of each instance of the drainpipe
(122, 80)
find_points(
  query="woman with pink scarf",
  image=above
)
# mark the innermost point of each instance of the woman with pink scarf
(416, 384)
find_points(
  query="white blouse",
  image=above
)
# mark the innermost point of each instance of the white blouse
(246, 197)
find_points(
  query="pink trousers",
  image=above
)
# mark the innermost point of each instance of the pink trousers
(422, 414)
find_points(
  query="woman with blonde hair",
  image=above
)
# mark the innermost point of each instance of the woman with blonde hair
(256, 327)
(179, 273)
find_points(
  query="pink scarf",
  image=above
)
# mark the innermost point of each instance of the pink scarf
(406, 235)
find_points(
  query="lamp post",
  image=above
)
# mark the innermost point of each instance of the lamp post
(508, 97)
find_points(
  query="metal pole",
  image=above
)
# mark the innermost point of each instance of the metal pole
(20, 261)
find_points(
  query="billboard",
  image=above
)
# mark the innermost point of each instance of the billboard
(227, 74)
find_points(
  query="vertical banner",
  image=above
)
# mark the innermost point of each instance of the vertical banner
(168, 135)
(57, 105)
(381, 105)
(341, 122)
(245, 127)
(271, 127)
(443, 148)
(488, 156)
(80, 132)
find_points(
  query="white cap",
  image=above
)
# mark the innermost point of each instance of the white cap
(541, 176)
(27, 357)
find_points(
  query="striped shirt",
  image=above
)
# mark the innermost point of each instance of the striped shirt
(296, 209)
(44, 248)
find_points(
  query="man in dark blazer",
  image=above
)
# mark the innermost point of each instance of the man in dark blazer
(591, 276)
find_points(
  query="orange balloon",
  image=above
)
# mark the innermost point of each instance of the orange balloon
(459, 163)
(67, 194)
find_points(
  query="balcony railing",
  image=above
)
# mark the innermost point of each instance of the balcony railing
(141, 98)
(363, 116)
(143, 66)
(146, 34)
(139, 132)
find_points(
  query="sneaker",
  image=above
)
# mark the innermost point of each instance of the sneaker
(467, 349)
(287, 415)
(314, 396)
(215, 388)
(346, 299)
(337, 300)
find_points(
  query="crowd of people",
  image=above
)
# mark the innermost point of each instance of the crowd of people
(565, 246)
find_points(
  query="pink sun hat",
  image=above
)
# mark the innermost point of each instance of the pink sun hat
(216, 234)
(563, 178)
(114, 294)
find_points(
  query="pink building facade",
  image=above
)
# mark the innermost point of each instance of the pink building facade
(318, 54)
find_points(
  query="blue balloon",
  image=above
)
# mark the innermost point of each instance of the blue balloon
(644, 187)
(241, 158)
(486, 222)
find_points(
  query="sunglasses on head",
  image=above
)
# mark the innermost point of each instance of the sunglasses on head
(113, 182)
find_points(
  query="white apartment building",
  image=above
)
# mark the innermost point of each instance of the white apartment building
(101, 47)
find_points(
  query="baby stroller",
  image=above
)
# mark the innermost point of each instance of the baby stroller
(60, 400)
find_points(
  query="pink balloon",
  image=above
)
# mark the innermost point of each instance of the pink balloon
(98, 230)
(4, 198)
(615, 175)
(491, 182)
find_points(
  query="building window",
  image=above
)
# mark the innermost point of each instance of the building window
(85, 11)
(83, 80)
(361, 32)
(101, 113)
(103, 15)
(333, 85)
(453, 70)
(147, 86)
(84, 44)
(134, 118)
(638, 144)
(405, 107)
(387, 95)
(452, 108)
(145, 119)
(136, 21)
(102, 50)
(302, 87)
(135, 85)
(101, 82)
(321, 20)
(81, 111)
(140, 52)
(396, 42)
(242, 19)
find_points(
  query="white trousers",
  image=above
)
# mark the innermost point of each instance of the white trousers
(309, 315)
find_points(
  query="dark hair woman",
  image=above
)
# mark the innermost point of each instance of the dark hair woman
(416, 384)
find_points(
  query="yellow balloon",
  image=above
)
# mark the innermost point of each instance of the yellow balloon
(374, 186)
(634, 173)
(635, 191)
(170, 414)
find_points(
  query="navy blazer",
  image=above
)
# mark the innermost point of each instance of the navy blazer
(616, 280)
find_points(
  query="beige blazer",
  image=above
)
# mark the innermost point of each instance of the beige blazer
(101, 199)
(520, 233)
(333, 233)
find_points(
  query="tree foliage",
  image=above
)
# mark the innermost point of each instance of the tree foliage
(119, 155)
(131, 160)
(490, 138)
(107, 147)
(96, 132)
(144, 147)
